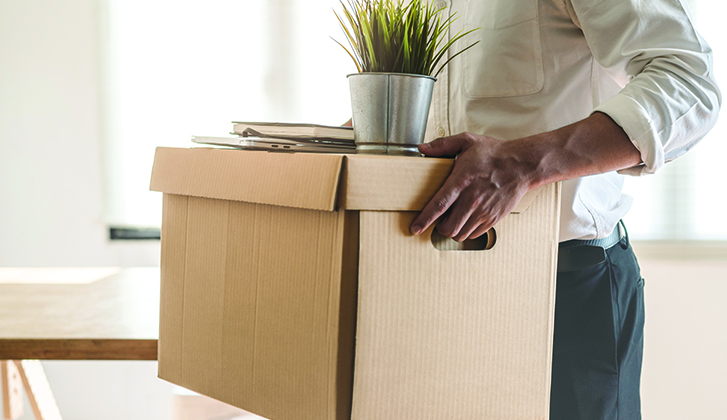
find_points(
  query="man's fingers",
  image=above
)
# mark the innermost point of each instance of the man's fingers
(459, 216)
(479, 231)
(474, 228)
(443, 146)
(440, 203)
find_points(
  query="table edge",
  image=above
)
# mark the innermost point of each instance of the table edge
(78, 349)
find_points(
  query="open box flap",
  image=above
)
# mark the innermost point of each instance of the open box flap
(371, 182)
(303, 180)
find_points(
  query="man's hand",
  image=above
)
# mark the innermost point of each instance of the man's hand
(490, 177)
(487, 181)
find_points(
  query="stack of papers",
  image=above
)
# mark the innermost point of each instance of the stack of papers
(287, 137)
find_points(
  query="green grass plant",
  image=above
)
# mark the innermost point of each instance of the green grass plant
(397, 37)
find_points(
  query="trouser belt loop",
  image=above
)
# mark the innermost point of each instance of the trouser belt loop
(579, 254)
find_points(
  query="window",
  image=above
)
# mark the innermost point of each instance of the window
(177, 69)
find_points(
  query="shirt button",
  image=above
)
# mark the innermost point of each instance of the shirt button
(441, 132)
(440, 5)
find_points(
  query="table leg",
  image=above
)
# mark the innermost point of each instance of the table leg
(38, 390)
(12, 392)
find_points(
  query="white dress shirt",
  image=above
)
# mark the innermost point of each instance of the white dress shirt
(543, 64)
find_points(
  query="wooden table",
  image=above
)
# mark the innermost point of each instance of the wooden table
(71, 314)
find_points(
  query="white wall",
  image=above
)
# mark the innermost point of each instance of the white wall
(51, 191)
(685, 339)
(51, 214)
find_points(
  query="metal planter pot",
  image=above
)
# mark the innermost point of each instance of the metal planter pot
(390, 111)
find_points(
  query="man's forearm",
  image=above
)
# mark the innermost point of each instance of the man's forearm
(591, 146)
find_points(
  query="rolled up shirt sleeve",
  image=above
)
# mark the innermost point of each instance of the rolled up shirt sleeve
(669, 99)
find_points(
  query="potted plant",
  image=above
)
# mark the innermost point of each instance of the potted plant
(397, 48)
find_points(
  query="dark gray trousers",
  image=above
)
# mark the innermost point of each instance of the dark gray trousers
(598, 340)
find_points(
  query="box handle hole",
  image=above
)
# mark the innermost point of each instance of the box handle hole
(483, 243)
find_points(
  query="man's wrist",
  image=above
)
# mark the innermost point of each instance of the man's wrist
(531, 154)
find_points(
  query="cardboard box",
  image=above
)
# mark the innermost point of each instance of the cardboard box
(292, 288)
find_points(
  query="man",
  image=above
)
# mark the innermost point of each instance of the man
(584, 91)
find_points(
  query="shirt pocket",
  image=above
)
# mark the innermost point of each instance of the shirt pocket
(508, 61)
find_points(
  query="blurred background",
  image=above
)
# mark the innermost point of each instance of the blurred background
(89, 88)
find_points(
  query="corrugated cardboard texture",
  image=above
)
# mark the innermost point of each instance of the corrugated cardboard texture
(393, 183)
(304, 180)
(398, 183)
(258, 305)
(456, 334)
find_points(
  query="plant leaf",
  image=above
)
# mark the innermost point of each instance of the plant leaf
(397, 36)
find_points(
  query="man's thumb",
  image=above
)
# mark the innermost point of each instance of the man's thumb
(441, 146)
